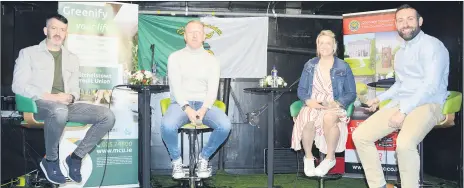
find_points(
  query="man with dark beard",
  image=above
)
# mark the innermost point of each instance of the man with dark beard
(48, 73)
(417, 97)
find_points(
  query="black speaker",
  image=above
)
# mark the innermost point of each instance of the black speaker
(22, 148)
(286, 161)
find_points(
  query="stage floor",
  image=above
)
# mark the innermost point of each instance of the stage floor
(223, 180)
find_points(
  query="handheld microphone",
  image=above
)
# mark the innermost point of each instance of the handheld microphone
(364, 105)
(198, 121)
(116, 86)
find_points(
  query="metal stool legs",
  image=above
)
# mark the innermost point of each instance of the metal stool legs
(321, 179)
(192, 134)
(422, 182)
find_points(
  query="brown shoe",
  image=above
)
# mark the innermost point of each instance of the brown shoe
(389, 185)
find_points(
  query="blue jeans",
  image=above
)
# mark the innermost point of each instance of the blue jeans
(176, 118)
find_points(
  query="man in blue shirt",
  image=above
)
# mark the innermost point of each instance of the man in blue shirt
(417, 97)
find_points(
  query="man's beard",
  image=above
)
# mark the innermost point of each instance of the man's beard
(414, 32)
(50, 38)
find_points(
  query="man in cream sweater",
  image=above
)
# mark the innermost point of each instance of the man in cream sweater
(194, 81)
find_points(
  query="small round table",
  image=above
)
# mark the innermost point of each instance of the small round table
(144, 110)
(271, 92)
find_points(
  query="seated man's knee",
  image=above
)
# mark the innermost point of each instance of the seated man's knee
(357, 136)
(403, 145)
(108, 118)
(226, 125)
(169, 123)
(223, 122)
(59, 112)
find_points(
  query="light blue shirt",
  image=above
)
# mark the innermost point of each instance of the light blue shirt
(421, 74)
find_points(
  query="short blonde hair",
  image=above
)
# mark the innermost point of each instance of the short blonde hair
(328, 33)
(195, 21)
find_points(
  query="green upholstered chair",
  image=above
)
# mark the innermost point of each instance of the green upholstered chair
(295, 108)
(167, 101)
(191, 130)
(28, 107)
(450, 108)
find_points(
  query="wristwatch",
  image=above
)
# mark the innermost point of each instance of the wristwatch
(185, 106)
(73, 98)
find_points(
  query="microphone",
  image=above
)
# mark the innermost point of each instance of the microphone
(364, 105)
(153, 65)
(116, 86)
(198, 121)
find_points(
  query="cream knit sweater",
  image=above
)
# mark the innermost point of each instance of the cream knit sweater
(193, 76)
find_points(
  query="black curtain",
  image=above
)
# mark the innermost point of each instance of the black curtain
(22, 26)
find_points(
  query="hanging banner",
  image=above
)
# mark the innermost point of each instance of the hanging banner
(371, 41)
(240, 44)
(104, 37)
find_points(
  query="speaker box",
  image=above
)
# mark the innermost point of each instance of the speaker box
(22, 149)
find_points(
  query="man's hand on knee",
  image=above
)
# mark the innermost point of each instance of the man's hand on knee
(66, 98)
(396, 121)
(373, 104)
(62, 98)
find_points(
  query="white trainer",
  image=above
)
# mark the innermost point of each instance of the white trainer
(177, 170)
(308, 166)
(202, 168)
(324, 167)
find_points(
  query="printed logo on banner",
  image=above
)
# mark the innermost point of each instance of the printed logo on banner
(354, 25)
(210, 31)
(352, 125)
(386, 143)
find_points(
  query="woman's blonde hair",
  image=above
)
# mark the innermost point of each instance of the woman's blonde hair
(328, 33)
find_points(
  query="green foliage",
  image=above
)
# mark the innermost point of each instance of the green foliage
(373, 54)
(135, 52)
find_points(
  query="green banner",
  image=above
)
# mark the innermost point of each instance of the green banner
(98, 77)
(102, 35)
(166, 33)
(120, 157)
(88, 19)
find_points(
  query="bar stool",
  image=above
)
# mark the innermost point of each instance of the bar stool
(295, 108)
(28, 108)
(450, 108)
(192, 131)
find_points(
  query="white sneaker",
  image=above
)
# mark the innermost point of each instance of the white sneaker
(324, 167)
(177, 170)
(202, 168)
(308, 166)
